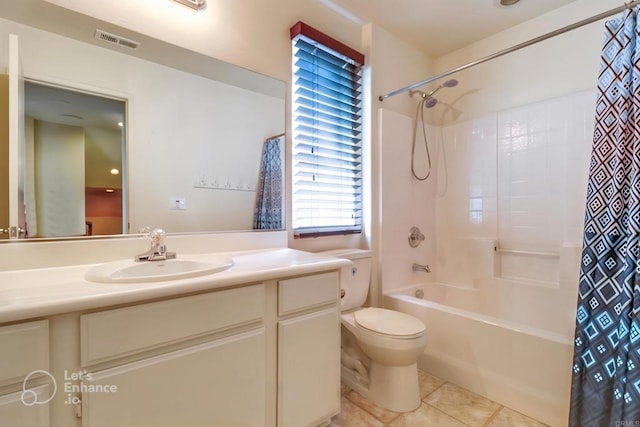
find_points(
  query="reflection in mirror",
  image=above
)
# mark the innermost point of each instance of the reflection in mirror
(196, 126)
(73, 165)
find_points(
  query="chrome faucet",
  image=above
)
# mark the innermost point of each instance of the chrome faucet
(158, 250)
(420, 267)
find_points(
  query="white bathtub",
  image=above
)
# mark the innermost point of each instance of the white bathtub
(510, 341)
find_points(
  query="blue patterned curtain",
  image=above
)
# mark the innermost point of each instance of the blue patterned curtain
(605, 388)
(268, 213)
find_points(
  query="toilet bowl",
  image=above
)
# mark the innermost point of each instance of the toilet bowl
(393, 372)
(380, 347)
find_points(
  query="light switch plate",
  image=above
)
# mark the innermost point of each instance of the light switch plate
(177, 203)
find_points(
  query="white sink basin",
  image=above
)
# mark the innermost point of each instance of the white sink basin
(154, 271)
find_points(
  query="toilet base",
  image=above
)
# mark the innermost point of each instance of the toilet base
(390, 387)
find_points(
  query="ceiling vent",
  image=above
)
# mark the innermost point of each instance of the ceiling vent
(115, 39)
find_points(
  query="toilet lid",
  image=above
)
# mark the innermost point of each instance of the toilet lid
(388, 322)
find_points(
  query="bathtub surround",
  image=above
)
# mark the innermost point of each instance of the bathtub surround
(407, 201)
(510, 196)
(606, 371)
(503, 240)
(516, 177)
(510, 182)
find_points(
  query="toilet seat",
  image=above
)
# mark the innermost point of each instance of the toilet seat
(389, 323)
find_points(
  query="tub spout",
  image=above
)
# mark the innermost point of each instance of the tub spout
(420, 267)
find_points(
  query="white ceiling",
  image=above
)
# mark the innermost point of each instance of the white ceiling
(440, 26)
(59, 105)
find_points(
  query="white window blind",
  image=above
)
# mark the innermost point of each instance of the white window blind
(327, 140)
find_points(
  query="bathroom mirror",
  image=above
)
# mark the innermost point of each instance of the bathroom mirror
(195, 126)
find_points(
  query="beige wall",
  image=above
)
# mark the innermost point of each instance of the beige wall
(103, 150)
(562, 65)
(394, 63)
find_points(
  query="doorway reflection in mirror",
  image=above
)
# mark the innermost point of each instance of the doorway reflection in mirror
(74, 155)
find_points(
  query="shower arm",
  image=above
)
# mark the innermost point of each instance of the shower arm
(535, 40)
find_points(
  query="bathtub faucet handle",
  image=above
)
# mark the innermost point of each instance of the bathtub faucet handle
(415, 237)
(420, 267)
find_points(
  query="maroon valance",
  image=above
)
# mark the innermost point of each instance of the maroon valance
(300, 28)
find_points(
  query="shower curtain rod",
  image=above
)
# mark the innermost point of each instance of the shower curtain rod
(276, 136)
(514, 48)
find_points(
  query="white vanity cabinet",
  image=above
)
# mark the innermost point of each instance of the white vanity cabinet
(192, 361)
(264, 352)
(25, 384)
(308, 350)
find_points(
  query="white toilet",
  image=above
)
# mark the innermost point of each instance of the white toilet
(380, 348)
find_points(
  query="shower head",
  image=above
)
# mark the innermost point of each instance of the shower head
(427, 98)
(448, 83)
(430, 102)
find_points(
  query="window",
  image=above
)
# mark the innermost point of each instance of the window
(327, 135)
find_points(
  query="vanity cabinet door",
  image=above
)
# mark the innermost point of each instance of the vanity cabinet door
(309, 368)
(24, 365)
(218, 383)
(14, 412)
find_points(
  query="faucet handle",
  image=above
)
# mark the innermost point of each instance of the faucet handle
(415, 237)
(157, 237)
(157, 251)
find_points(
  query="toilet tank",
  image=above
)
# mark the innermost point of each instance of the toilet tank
(355, 279)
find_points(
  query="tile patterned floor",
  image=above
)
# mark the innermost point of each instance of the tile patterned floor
(443, 405)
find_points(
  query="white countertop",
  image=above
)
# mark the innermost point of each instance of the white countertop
(26, 294)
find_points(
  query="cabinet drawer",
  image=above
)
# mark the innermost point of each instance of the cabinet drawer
(115, 333)
(306, 292)
(217, 383)
(24, 348)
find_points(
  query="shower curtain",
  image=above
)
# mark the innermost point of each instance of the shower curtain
(268, 212)
(605, 388)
